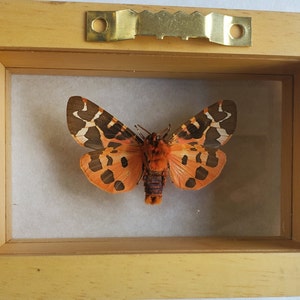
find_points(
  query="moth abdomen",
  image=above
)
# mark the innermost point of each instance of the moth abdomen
(154, 182)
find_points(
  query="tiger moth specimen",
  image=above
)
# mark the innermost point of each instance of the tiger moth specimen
(120, 158)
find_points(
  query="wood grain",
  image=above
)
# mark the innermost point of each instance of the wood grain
(145, 276)
(144, 245)
(45, 25)
(296, 160)
(2, 158)
(286, 156)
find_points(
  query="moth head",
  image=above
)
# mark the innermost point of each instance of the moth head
(153, 139)
(152, 136)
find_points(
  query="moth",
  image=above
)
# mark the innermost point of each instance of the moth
(120, 157)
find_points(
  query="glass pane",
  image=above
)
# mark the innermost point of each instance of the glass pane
(51, 197)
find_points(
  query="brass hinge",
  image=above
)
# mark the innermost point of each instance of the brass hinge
(125, 24)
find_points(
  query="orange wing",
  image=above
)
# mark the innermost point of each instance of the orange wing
(116, 165)
(113, 170)
(194, 167)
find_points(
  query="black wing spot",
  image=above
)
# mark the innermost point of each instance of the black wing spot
(95, 163)
(201, 173)
(124, 162)
(119, 185)
(212, 160)
(184, 160)
(107, 177)
(109, 160)
(113, 145)
(198, 158)
(190, 183)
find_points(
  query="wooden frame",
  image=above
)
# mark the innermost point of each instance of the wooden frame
(33, 43)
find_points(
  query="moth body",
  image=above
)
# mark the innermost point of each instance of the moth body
(156, 152)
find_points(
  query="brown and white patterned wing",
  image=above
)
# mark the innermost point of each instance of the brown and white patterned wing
(194, 159)
(93, 127)
(210, 128)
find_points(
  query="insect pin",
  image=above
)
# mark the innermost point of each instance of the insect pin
(120, 158)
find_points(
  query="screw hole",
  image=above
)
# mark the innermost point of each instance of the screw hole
(99, 25)
(237, 31)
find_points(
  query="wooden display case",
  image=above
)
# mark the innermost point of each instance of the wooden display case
(49, 38)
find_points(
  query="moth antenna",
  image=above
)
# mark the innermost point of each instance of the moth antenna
(138, 127)
(166, 131)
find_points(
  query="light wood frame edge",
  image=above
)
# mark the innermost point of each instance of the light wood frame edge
(296, 160)
(59, 25)
(159, 276)
(287, 156)
(10, 246)
(3, 238)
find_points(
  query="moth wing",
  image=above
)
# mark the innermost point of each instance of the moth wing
(210, 128)
(194, 159)
(192, 167)
(95, 128)
(114, 170)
